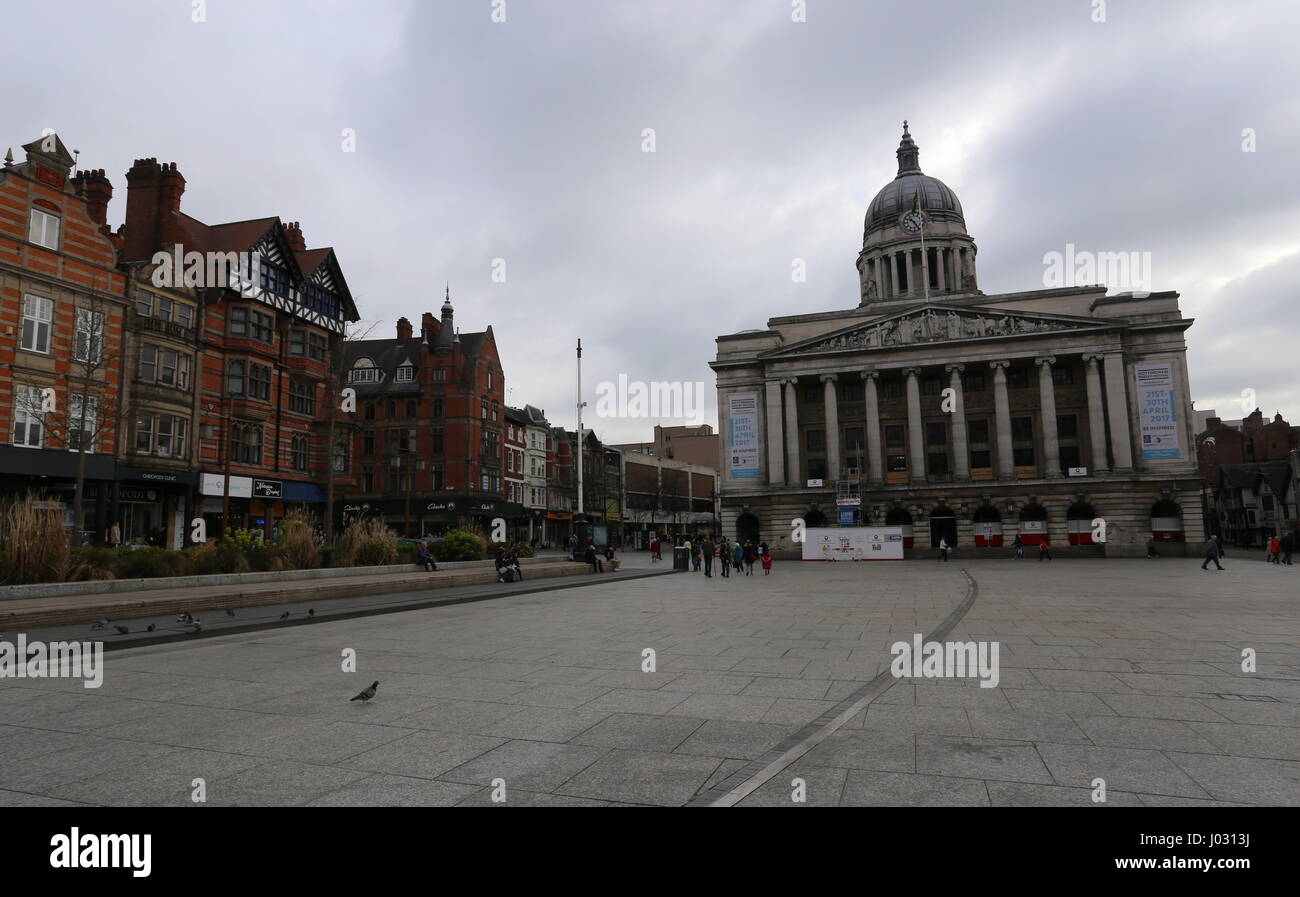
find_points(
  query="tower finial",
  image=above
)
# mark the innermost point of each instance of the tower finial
(908, 154)
(905, 134)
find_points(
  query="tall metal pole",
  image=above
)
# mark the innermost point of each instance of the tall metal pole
(580, 404)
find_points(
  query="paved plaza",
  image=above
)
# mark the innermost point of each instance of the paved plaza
(1128, 671)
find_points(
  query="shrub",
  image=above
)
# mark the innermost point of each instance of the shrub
(33, 542)
(149, 563)
(366, 543)
(215, 558)
(326, 555)
(459, 545)
(297, 541)
(92, 563)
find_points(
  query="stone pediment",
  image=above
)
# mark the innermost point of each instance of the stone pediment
(936, 324)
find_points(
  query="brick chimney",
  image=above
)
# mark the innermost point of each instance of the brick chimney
(1212, 422)
(403, 330)
(97, 190)
(293, 230)
(428, 328)
(153, 206)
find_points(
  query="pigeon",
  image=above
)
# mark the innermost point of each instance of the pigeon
(184, 617)
(99, 624)
(284, 616)
(229, 612)
(368, 693)
(122, 630)
(311, 611)
(198, 625)
(150, 628)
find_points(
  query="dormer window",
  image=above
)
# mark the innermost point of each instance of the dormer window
(364, 371)
(405, 373)
(43, 229)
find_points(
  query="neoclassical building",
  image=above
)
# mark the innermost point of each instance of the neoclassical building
(1050, 413)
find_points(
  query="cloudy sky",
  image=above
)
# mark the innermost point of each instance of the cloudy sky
(523, 141)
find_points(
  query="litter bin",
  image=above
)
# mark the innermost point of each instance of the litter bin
(681, 558)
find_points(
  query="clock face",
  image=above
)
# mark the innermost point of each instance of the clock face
(912, 222)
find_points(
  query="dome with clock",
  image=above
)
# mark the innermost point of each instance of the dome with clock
(914, 241)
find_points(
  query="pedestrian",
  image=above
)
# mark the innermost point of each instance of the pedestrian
(738, 556)
(1211, 553)
(115, 535)
(1151, 548)
(425, 560)
(1044, 549)
(594, 559)
(724, 557)
(1020, 547)
(750, 557)
(654, 550)
(943, 549)
(767, 563)
(762, 549)
(708, 548)
(1275, 550)
(1288, 547)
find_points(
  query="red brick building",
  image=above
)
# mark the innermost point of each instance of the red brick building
(61, 315)
(429, 446)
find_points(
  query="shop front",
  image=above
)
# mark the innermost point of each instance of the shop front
(51, 476)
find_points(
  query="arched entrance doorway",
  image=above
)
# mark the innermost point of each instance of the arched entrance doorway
(1033, 524)
(814, 517)
(900, 517)
(1078, 523)
(988, 526)
(747, 528)
(1166, 521)
(943, 525)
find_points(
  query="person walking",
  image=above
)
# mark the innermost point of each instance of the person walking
(738, 556)
(1211, 553)
(1044, 548)
(707, 549)
(943, 549)
(115, 535)
(654, 550)
(762, 549)
(1288, 547)
(1275, 550)
(1020, 547)
(1151, 548)
(751, 555)
(767, 563)
(724, 557)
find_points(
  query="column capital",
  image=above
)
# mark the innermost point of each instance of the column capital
(829, 378)
(790, 381)
(1001, 363)
(871, 374)
(958, 368)
(912, 371)
(1093, 357)
(1046, 360)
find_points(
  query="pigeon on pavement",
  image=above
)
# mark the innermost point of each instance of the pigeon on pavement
(150, 628)
(284, 616)
(122, 630)
(184, 617)
(99, 624)
(229, 612)
(368, 693)
(311, 611)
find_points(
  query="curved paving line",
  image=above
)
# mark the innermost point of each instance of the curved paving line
(749, 778)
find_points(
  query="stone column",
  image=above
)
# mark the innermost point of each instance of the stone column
(878, 270)
(794, 470)
(960, 450)
(1121, 444)
(1096, 416)
(939, 263)
(915, 436)
(875, 461)
(1002, 406)
(832, 427)
(775, 450)
(1047, 411)
(925, 272)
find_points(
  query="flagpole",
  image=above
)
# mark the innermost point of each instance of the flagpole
(925, 263)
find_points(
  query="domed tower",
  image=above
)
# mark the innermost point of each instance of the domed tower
(914, 233)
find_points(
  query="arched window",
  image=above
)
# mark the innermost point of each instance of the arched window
(298, 452)
(364, 371)
(1033, 524)
(987, 524)
(1078, 523)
